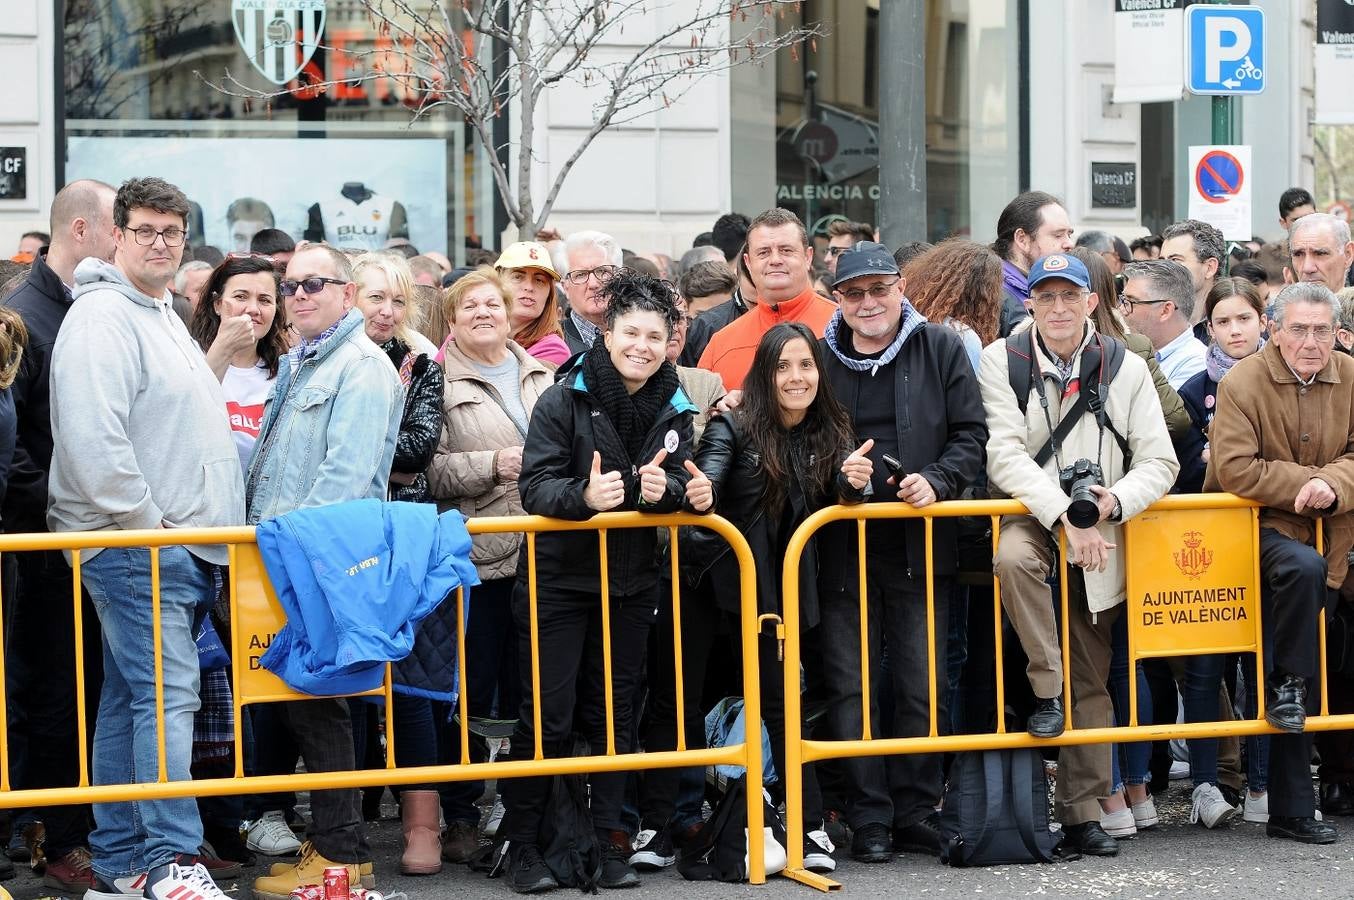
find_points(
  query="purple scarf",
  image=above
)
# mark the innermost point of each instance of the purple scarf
(1014, 280)
(1218, 363)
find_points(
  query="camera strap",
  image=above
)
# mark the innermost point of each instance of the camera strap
(1100, 362)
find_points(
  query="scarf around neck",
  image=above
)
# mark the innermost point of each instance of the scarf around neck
(632, 415)
(1218, 363)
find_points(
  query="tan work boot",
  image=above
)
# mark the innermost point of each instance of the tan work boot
(422, 836)
(368, 881)
(310, 870)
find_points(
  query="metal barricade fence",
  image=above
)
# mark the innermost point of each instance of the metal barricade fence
(1231, 624)
(256, 615)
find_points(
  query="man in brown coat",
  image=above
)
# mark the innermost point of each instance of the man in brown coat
(1284, 435)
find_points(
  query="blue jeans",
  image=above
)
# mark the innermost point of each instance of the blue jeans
(132, 837)
(1138, 754)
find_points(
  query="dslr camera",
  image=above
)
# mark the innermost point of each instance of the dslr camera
(1076, 482)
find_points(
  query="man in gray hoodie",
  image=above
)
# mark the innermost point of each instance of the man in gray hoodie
(141, 441)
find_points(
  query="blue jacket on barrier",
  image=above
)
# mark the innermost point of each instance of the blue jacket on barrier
(355, 579)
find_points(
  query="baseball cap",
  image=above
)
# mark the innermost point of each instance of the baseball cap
(527, 255)
(1058, 265)
(865, 258)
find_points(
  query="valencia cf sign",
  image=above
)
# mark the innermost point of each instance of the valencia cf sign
(278, 36)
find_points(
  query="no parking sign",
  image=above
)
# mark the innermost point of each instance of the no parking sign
(1220, 189)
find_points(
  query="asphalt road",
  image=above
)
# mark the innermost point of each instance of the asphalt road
(1176, 859)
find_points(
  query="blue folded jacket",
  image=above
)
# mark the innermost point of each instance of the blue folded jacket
(355, 579)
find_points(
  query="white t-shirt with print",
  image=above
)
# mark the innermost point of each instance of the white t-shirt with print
(245, 391)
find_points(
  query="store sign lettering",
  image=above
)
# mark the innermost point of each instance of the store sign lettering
(827, 192)
(278, 36)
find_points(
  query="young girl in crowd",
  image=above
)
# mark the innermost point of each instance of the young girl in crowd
(783, 454)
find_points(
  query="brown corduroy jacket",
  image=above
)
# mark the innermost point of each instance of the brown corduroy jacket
(1271, 435)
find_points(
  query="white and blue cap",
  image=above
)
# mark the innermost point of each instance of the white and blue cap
(1060, 265)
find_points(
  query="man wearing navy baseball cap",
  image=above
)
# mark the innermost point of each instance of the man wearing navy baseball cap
(908, 387)
(1085, 474)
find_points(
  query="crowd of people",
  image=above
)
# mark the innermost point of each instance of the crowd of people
(765, 375)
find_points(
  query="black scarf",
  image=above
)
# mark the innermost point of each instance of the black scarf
(633, 415)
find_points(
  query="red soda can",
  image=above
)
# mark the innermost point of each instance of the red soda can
(336, 883)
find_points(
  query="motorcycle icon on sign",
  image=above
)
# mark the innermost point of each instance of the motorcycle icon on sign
(1248, 69)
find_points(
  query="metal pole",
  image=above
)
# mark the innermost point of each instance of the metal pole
(1224, 109)
(902, 121)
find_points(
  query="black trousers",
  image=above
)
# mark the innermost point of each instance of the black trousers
(40, 658)
(323, 730)
(573, 695)
(898, 790)
(1293, 593)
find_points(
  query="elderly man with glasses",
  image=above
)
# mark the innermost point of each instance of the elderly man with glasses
(328, 436)
(1282, 435)
(593, 259)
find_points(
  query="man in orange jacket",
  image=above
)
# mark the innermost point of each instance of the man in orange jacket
(780, 258)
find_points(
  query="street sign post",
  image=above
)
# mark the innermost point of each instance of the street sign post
(1226, 50)
(1220, 189)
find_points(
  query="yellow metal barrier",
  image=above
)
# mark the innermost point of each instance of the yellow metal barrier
(1159, 524)
(256, 616)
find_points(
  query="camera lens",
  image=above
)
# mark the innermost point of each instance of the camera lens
(1084, 511)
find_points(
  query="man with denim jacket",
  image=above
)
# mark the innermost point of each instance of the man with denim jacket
(328, 436)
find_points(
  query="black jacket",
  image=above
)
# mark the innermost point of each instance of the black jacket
(421, 425)
(42, 301)
(567, 425)
(1199, 394)
(736, 473)
(942, 433)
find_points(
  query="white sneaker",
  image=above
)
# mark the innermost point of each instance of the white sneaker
(1145, 814)
(184, 882)
(1179, 770)
(1118, 824)
(271, 836)
(1257, 808)
(1210, 809)
(490, 828)
(127, 887)
(818, 849)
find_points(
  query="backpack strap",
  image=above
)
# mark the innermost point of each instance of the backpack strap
(1022, 789)
(994, 787)
(1020, 365)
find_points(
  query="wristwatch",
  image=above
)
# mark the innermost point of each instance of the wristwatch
(1118, 509)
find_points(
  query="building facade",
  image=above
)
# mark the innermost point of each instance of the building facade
(1018, 95)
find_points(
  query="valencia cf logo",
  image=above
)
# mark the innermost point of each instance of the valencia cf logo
(1055, 263)
(278, 36)
(1193, 558)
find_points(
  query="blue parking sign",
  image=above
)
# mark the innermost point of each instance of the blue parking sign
(1226, 49)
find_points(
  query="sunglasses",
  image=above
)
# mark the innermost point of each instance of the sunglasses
(312, 285)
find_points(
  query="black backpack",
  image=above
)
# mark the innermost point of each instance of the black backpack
(995, 810)
(1101, 360)
(719, 850)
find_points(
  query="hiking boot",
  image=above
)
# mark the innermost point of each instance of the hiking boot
(71, 873)
(460, 841)
(818, 852)
(173, 881)
(271, 836)
(363, 869)
(310, 870)
(653, 850)
(1210, 809)
(527, 872)
(616, 869)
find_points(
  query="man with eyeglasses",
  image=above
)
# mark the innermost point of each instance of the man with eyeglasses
(1281, 436)
(908, 387)
(593, 259)
(1083, 401)
(328, 436)
(842, 235)
(1158, 303)
(141, 441)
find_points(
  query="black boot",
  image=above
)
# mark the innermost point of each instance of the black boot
(1047, 720)
(1286, 703)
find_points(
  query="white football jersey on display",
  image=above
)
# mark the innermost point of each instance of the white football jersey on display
(365, 225)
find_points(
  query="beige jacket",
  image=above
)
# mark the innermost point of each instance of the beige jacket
(475, 428)
(1013, 440)
(705, 389)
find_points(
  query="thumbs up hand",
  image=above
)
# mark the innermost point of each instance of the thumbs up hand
(858, 468)
(653, 479)
(700, 493)
(605, 490)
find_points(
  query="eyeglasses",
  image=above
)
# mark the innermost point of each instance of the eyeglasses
(145, 235)
(312, 285)
(877, 291)
(1048, 298)
(836, 251)
(1128, 301)
(1322, 333)
(603, 274)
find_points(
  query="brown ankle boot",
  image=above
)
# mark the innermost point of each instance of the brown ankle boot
(422, 838)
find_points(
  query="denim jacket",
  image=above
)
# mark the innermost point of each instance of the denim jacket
(329, 427)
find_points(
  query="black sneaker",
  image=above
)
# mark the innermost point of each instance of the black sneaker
(616, 869)
(818, 850)
(527, 872)
(919, 837)
(228, 843)
(653, 850)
